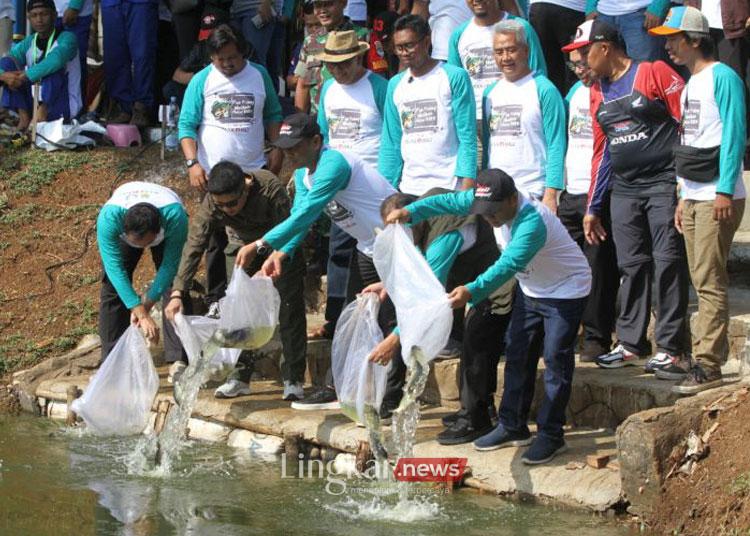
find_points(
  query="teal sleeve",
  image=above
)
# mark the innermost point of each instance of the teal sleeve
(331, 176)
(390, 162)
(454, 58)
(299, 186)
(571, 92)
(272, 106)
(65, 51)
(729, 91)
(523, 5)
(191, 112)
(486, 112)
(528, 236)
(591, 6)
(537, 63)
(322, 119)
(18, 51)
(108, 230)
(379, 87)
(659, 8)
(456, 203)
(464, 109)
(75, 4)
(175, 235)
(555, 131)
(442, 254)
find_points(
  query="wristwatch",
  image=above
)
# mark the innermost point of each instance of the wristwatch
(190, 163)
(261, 247)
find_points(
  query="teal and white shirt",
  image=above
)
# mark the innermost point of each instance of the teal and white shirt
(59, 54)
(351, 116)
(580, 151)
(523, 132)
(346, 188)
(713, 114)
(110, 234)
(429, 130)
(536, 249)
(445, 17)
(471, 47)
(227, 116)
(84, 7)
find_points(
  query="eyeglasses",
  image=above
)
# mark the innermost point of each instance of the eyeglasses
(577, 65)
(230, 204)
(408, 48)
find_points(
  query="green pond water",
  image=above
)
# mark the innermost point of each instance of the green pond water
(64, 482)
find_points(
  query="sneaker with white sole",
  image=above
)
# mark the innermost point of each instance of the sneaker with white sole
(676, 369)
(232, 388)
(176, 370)
(293, 391)
(325, 398)
(660, 360)
(618, 358)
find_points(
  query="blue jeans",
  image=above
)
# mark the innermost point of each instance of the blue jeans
(548, 326)
(53, 93)
(640, 45)
(259, 38)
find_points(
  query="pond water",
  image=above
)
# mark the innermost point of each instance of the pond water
(63, 482)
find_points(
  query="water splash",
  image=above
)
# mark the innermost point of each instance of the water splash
(408, 510)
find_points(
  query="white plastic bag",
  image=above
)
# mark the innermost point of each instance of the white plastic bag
(118, 399)
(360, 384)
(194, 332)
(249, 312)
(423, 312)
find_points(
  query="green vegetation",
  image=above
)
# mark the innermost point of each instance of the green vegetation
(27, 172)
(17, 352)
(741, 485)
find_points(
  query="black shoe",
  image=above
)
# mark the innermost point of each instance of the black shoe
(462, 431)
(697, 380)
(450, 419)
(386, 415)
(591, 350)
(325, 398)
(675, 369)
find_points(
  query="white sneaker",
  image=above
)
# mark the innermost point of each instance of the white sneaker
(232, 389)
(618, 358)
(176, 371)
(293, 391)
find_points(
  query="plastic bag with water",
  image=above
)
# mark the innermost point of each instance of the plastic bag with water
(194, 332)
(422, 309)
(249, 312)
(360, 384)
(118, 399)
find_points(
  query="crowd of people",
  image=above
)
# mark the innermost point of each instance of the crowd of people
(562, 166)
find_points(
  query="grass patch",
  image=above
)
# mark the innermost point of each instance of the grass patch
(741, 485)
(17, 352)
(30, 171)
(18, 216)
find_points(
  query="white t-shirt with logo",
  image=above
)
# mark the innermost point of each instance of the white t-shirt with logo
(580, 141)
(446, 16)
(351, 119)
(516, 138)
(477, 57)
(704, 128)
(232, 125)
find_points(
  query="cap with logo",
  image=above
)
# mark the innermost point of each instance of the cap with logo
(296, 128)
(210, 19)
(682, 19)
(594, 31)
(493, 187)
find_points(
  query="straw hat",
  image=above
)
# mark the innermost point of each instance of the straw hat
(342, 46)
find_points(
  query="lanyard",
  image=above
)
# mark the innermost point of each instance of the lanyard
(50, 42)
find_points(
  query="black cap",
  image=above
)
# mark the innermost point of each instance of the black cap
(31, 4)
(594, 31)
(296, 128)
(493, 187)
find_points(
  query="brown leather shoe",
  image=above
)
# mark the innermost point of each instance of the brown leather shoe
(141, 116)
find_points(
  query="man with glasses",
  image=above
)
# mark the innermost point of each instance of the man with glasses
(523, 120)
(599, 315)
(429, 129)
(247, 205)
(635, 108)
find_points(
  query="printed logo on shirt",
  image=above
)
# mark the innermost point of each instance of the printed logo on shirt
(419, 116)
(344, 123)
(234, 108)
(691, 117)
(339, 214)
(676, 85)
(580, 124)
(506, 120)
(480, 64)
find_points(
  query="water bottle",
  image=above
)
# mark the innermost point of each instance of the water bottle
(171, 141)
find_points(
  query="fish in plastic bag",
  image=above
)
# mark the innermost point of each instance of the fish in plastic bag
(249, 312)
(423, 311)
(118, 399)
(194, 332)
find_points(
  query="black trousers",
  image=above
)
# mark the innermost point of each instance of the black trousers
(186, 28)
(114, 317)
(556, 25)
(601, 308)
(362, 274)
(484, 343)
(216, 269)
